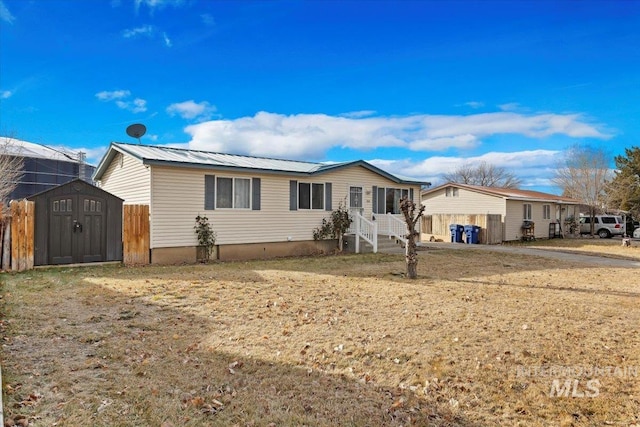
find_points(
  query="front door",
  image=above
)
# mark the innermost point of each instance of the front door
(76, 229)
(356, 200)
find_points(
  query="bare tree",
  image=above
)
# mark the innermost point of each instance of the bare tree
(484, 174)
(583, 175)
(10, 168)
(408, 208)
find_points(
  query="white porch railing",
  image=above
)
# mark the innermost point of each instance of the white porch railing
(366, 229)
(397, 228)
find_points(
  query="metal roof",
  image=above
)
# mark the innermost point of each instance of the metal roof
(180, 157)
(508, 193)
(19, 148)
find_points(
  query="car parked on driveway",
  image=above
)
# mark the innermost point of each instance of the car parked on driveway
(636, 233)
(605, 226)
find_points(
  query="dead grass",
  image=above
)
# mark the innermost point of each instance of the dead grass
(320, 342)
(593, 246)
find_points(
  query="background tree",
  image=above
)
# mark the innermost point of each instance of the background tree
(484, 174)
(583, 175)
(623, 191)
(10, 168)
(408, 208)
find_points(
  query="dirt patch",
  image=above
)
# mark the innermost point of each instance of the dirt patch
(324, 341)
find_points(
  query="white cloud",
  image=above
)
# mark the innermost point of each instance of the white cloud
(191, 110)
(534, 167)
(157, 4)
(308, 136)
(5, 14)
(167, 40)
(358, 114)
(208, 20)
(510, 106)
(474, 104)
(137, 105)
(145, 30)
(112, 95)
(5, 94)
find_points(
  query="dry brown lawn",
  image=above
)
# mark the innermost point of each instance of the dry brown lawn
(339, 340)
(592, 246)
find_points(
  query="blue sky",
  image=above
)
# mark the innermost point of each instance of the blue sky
(417, 88)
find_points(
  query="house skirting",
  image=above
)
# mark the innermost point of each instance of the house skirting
(246, 251)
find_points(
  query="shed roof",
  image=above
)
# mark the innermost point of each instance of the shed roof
(180, 157)
(508, 193)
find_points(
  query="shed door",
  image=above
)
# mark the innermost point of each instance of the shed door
(77, 229)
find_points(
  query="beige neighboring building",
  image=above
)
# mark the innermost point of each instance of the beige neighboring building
(259, 207)
(502, 210)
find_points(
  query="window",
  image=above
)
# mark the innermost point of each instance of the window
(387, 200)
(450, 192)
(231, 193)
(546, 211)
(527, 211)
(609, 220)
(310, 195)
(455, 192)
(355, 199)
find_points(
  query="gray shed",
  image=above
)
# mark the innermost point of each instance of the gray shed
(77, 222)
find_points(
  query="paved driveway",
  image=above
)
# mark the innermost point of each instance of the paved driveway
(548, 253)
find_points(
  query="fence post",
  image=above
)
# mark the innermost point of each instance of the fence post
(375, 237)
(357, 233)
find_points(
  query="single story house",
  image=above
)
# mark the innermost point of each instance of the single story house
(453, 203)
(258, 207)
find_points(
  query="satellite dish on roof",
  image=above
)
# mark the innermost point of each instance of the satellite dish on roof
(136, 131)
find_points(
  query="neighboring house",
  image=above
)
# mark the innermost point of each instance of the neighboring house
(258, 207)
(43, 167)
(514, 207)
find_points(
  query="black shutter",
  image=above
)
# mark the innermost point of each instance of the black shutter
(293, 195)
(255, 194)
(327, 196)
(375, 199)
(209, 192)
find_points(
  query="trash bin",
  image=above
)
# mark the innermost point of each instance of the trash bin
(456, 232)
(473, 234)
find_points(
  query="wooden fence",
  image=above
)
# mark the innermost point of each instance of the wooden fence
(22, 238)
(135, 234)
(438, 225)
(17, 226)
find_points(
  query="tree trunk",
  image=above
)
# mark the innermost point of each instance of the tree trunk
(412, 257)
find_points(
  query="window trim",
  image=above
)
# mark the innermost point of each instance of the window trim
(233, 188)
(546, 211)
(526, 210)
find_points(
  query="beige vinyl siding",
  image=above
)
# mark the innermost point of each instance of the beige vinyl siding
(467, 202)
(515, 218)
(178, 197)
(129, 179)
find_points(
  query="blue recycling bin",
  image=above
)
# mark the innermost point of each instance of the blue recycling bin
(456, 232)
(473, 234)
